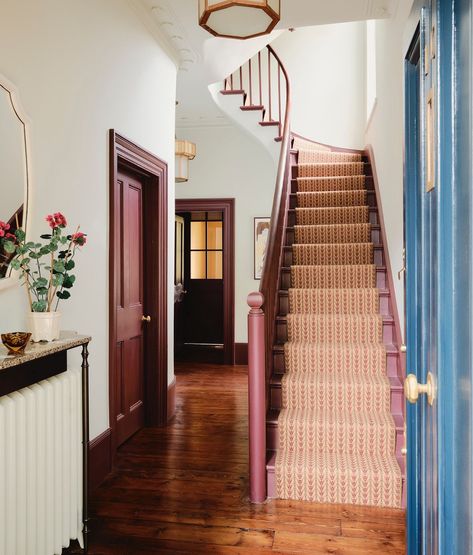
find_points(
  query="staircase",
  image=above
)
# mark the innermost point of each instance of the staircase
(335, 422)
(334, 400)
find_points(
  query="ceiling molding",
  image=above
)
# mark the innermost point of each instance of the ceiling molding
(163, 19)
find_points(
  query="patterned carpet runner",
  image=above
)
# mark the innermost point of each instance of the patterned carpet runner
(336, 432)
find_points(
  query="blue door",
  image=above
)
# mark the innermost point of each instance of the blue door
(438, 198)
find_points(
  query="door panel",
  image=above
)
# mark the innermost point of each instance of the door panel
(129, 400)
(439, 280)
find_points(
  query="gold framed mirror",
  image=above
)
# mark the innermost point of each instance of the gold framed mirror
(14, 170)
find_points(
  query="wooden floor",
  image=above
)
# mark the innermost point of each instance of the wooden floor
(184, 489)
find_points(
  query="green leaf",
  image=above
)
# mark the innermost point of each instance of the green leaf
(63, 240)
(9, 246)
(59, 267)
(42, 290)
(30, 245)
(58, 279)
(63, 294)
(69, 265)
(20, 234)
(15, 264)
(40, 282)
(39, 306)
(69, 281)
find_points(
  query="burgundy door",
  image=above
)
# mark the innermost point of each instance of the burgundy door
(129, 368)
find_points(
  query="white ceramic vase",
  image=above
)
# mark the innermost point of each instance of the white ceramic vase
(44, 326)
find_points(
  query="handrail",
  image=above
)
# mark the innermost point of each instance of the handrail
(269, 285)
(264, 305)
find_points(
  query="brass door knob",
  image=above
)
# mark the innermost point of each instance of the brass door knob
(146, 318)
(412, 388)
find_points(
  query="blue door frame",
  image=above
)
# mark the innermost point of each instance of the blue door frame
(439, 287)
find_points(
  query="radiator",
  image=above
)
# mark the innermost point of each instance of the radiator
(41, 467)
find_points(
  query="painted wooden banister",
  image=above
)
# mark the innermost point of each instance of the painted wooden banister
(256, 398)
(267, 85)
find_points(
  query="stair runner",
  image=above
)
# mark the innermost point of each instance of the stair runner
(336, 441)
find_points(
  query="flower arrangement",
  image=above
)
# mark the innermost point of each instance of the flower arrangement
(46, 282)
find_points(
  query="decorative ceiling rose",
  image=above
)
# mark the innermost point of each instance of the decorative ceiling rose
(185, 151)
(239, 19)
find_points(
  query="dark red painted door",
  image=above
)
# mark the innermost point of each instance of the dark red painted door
(129, 378)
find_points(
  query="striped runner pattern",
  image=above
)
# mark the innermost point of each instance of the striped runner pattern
(336, 435)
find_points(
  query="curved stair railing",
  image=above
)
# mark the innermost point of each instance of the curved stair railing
(264, 83)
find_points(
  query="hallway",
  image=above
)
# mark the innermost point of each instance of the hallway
(183, 489)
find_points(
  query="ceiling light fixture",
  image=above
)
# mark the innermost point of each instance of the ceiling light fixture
(185, 151)
(239, 19)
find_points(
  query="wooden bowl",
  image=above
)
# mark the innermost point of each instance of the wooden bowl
(16, 342)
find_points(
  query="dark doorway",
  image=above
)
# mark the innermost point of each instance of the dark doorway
(204, 279)
(138, 289)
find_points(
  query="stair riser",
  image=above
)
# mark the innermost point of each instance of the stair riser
(380, 279)
(392, 363)
(369, 186)
(396, 398)
(384, 305)
(290, 236)
(370, 201)
(272, 438)
(366, 171)
(282, 331)
(378, 258)
(372, 218)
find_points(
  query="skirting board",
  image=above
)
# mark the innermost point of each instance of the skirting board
(100, 462)
(241, 353)
(171, 399)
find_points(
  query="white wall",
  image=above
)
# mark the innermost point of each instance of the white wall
(82, 68)
(386, 134)
(326, 67)
(230, 164)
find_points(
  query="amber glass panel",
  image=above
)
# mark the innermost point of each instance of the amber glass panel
(214, 235)
(214, 265)
(197, 235)
(198, 265)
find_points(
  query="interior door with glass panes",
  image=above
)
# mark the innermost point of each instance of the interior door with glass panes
(201, 315)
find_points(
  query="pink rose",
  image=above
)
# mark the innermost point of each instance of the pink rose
(56, 220)
(79, 239)
(4, 226)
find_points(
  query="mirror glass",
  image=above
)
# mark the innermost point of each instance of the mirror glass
(13, 168)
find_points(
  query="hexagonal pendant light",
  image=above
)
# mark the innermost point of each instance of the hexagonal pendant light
(239, 19)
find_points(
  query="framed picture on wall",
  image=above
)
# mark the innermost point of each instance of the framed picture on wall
(261, 235)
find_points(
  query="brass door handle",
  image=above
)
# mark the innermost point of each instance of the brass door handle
(146, 318)
(412, 388)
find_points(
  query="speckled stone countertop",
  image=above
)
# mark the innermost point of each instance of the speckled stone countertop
(33, 351)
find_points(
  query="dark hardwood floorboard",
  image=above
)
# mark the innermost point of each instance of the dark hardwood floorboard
(184, 489)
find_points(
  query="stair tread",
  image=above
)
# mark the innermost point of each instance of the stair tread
(386, 318)
(285, 292)
(394, 382)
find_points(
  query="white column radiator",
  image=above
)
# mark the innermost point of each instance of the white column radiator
(41, 467)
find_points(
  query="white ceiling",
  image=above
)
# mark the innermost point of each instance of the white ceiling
(203, 59)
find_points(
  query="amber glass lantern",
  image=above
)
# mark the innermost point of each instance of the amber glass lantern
(185, 151)
(239, 19)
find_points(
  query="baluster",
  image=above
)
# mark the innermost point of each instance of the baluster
(269, 84)
(231, 82)
(257, 398)
(260, 87)
(279, 98)
(250, 82)
(241, 78)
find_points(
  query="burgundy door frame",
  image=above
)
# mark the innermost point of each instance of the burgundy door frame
(153, 171)
(227, 206)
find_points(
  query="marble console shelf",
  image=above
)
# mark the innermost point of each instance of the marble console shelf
(39, 362)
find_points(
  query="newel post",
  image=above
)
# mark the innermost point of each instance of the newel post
(257, 398)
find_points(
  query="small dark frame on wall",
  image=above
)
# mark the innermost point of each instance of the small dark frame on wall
(126, 154)
(260, 244)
